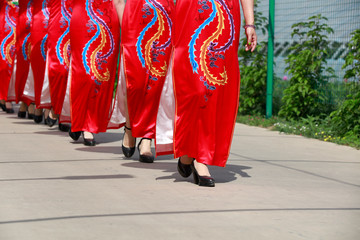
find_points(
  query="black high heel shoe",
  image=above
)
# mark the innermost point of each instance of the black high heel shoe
(50, 122)
(127, 151)
(88, 141)
(31, 116)
(38, 118)
(203, 181)
(21, 114)
(10, 110)
(74, 135)
(3, 107)
(184, 169)
(64, 127)
(145, 158)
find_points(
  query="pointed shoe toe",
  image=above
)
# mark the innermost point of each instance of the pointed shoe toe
(74, 135)
(146, 159)
(89, 142)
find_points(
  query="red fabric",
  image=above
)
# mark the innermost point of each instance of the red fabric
(39, 37)
(23, 48)
(2, 36)
(8, 19)
(146, 47)
(206, 78)
(58, 51)
(94, 39)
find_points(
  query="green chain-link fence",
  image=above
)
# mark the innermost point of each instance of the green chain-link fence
(343, 17)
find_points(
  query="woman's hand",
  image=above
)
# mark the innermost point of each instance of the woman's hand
(251, 39)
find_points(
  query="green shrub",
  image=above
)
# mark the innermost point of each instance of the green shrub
(346, 119)
(306, 66)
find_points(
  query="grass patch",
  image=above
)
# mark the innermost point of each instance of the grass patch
(308, 127)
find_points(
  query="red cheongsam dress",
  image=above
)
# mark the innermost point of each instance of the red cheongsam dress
(8, 19)
(39, 35)
(94, 39)
(146, 48)
(206, 78)
(58, 59)
(23, 49)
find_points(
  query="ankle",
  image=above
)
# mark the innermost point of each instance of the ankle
(145, 147)
(128, 139)
(186, 160)
(22, 107)
(8, 105)
(52, 115)
(88, 135)
(202, 169)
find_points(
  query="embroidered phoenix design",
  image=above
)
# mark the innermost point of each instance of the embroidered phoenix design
(149, 51)
(102, 35)
(8, 44)
(210, 49)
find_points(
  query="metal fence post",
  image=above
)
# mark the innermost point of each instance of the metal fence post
(270, 60)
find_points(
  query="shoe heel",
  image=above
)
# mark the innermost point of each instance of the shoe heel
(203, 181)
(196, 178)
(127, 151)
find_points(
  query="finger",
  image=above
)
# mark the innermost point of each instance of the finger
(253, 46)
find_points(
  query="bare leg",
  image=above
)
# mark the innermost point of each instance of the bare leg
(23, 107)
(52, 115)
(8, 105)
(31, 111)
(186, 160)
(38, 112)
(46, 113)
(128, 140)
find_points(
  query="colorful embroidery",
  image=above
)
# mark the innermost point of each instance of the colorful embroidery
(208, 54)
(63, 47)
(150, 52)
(46, 14)
(8, 47)
(26, 46)
(97, 58)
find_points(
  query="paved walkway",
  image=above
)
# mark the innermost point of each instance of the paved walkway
(275, 187)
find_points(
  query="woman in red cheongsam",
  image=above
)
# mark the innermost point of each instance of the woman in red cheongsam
(207, 81)
(58, 60)
(94, 39)
(39, 38)
(8, 18)
(146, 48)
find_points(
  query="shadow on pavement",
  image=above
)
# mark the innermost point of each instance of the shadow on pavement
(221, 175)
(86, 177)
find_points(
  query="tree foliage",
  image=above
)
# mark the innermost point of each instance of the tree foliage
(253, 68)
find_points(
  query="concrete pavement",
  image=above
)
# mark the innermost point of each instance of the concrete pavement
(275, 186)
